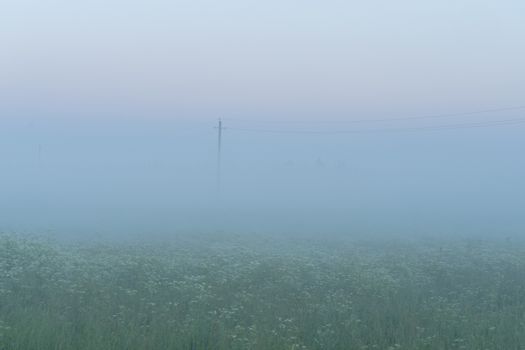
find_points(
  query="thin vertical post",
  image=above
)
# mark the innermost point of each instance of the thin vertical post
(219, 151)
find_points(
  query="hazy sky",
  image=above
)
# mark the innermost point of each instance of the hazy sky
(107, 111)
(275, 58)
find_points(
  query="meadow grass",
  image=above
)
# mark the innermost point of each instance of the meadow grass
(254, 292)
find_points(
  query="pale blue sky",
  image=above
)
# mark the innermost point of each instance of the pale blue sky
(281, 58)
(107, 111)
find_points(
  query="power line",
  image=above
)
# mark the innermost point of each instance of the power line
(470, 125)
(351, 121)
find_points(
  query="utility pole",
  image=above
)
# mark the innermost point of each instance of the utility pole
(219, 146)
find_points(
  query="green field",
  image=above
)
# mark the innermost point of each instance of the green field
(255, 292)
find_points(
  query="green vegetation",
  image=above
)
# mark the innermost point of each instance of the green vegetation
(240, 292)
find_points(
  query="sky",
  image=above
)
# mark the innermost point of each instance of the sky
(195, 59)
(107, 111)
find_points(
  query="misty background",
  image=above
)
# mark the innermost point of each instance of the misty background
(108, 109)
(143, 177)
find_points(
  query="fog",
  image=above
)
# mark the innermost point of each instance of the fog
(108, 109)
(104, 177)
(262, 175)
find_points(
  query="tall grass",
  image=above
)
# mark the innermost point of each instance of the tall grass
(260, 293)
